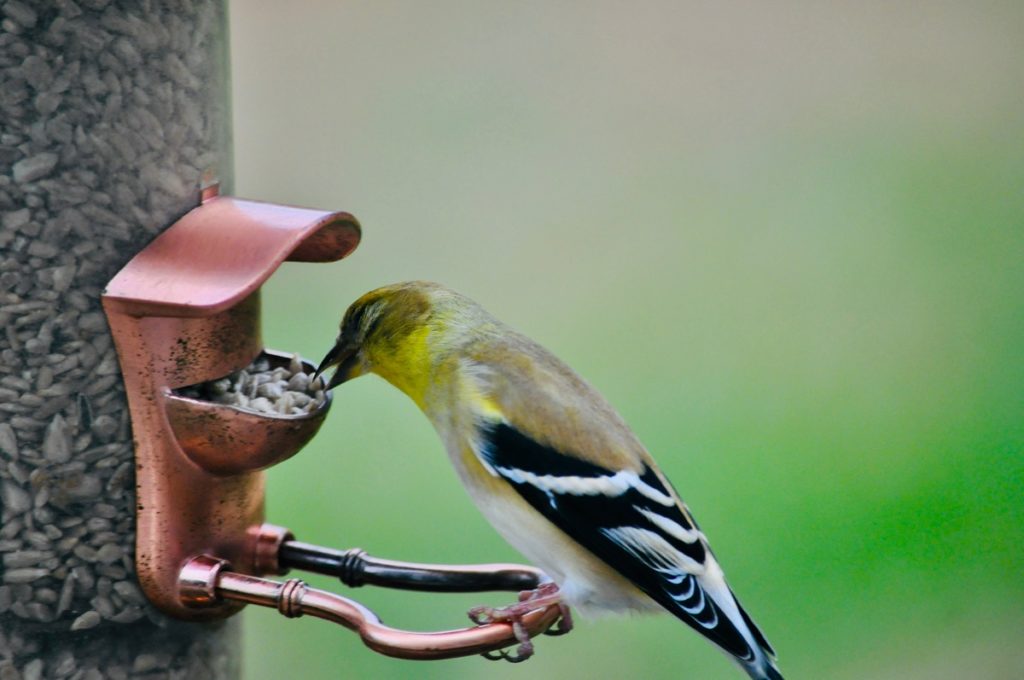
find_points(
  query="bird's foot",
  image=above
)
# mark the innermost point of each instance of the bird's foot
(545, 595)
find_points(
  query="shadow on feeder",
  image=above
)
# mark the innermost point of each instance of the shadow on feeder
(185, 316)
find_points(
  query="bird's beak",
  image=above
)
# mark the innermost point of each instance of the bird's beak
(343, 355)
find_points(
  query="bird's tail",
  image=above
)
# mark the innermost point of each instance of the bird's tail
(733, 630)
(762, 666)
(767, 671)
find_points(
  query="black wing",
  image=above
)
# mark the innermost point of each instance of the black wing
(630, 521)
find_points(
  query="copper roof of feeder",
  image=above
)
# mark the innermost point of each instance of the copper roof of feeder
(224, 250)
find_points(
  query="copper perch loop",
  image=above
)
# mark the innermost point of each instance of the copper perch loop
(207, 580)
(355, 568)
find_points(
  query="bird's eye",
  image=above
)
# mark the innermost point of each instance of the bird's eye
(354, 321)
(361, 322)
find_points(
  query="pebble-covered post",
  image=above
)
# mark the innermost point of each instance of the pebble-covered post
(111, 115)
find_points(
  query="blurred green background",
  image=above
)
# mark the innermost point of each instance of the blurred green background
(786, 241)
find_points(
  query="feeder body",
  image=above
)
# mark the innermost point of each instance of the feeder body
(114, 115)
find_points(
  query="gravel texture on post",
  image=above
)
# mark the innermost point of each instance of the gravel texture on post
(111, 115)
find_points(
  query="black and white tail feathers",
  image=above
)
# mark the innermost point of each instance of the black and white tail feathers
(637, 526)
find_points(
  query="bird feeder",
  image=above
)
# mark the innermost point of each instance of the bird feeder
(185, 311)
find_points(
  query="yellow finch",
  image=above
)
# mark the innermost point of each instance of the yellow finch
(549, 463)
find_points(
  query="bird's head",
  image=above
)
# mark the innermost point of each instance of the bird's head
(388, 332)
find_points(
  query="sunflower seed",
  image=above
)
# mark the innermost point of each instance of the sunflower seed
(24, 575)
(89, 619)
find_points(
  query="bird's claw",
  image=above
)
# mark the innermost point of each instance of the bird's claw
(503, 655)
(523, 652)
(485, 615)
(564, 623)
(481, 616)
(529, 600)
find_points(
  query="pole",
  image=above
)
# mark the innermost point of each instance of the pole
(112, 115)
